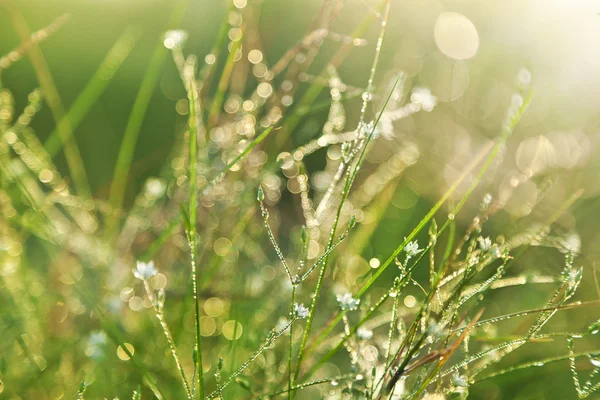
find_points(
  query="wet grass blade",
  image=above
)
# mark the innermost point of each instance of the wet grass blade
(492, 153)
(134, 124)
(219, 97)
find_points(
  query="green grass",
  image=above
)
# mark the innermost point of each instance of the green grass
(269, 260)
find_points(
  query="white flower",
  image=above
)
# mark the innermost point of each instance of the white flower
(145, 271)
(347, 302)
(412, 249)
(484, 243)
(423, 98)
(301, 311)
(175, 38)
(459, 380)
(366, 128)
(364, 333)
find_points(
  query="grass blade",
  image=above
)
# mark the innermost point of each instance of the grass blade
(134, 124)
(93, 90)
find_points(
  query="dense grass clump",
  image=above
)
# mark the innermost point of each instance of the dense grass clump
(245, 267)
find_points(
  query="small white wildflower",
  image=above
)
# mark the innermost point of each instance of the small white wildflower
(459, 380)
(347, 302)
(145, 271)
(484, 243)
(364, 333)
(175, 38)
(366, 128)
(459, 388)
(423, 98)
(412, 249)
(301, 311)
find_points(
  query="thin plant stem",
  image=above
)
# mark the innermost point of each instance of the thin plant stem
(291, 344)
(159, 312)
(195, 127)
(217, 102)
(273, 335)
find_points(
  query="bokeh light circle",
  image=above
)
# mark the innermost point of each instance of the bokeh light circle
(456, 36)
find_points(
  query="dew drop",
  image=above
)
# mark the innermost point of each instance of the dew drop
(334, 383)
(451, 216)
(577, 336)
